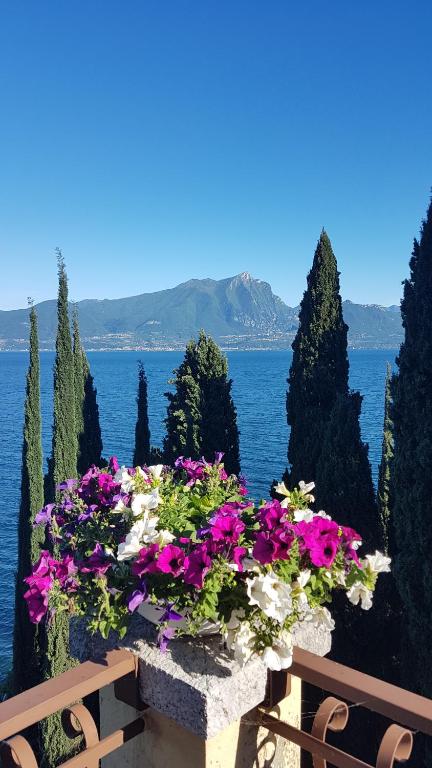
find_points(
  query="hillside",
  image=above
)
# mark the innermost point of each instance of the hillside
(240, 312)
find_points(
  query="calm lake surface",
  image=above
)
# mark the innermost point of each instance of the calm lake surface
(259, 389)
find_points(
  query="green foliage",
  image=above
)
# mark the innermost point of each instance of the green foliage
(385, 467)
(201, 416)
(411, 532)
(142, 431)
(26, 657)
(319, 369)
(87, 423)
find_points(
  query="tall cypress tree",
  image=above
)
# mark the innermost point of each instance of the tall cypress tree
(64, 435)
(142, 432)
(319, 369)
(201, 417)
(384, 471)
(26, 649)
(63, 465)
(89, 438)
(343, 476)
(412, 476)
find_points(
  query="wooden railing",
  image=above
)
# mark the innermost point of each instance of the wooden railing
(408, 711)
(60, 694)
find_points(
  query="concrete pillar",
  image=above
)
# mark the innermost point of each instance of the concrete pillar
(202, 705)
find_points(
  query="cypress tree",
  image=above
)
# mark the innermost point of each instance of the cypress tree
(344, 485)
(64, 435)
(26, 649)
(201, 417)
(142, 432)
(319, 369)
(384, 471)
(412, 476)
(63, 465)
(184, 410)
(89, 438)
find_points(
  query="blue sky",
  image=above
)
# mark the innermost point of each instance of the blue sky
(157, 141)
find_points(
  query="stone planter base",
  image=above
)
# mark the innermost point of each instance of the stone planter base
(202, 703)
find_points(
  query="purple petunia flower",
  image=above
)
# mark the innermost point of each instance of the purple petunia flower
(97, 563)
(43, 517)
(137, 597)
(67, 485)
(165, 635)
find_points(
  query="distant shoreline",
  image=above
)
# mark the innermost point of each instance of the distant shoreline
(224, 349)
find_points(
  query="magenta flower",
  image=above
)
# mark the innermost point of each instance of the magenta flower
(193, 469)
(349, 538)
(270, 515)
(282, 540)
(113, 465)
(146, 561)
(196, 566)
(238, 554)
(171, 560)
(227, 529)
(37, 599)
(323, 551)
(263, 550)
(65, 570)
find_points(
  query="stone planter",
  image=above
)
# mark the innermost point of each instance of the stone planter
(202, 703)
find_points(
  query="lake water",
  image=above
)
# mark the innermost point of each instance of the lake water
(259, 390)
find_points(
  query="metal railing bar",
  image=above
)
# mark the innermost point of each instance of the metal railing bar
(33, 705)
(311, 744)
(106, 745)
(399, 705)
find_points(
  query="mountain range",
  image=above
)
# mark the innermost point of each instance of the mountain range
(240, 312)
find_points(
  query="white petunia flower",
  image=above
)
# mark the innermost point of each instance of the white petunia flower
(243, 643)
(271, 595)
(233, 625)
(358, 593)
(321, 617)
(164, 537)
(303, 577)
(127, 481)
(279, 655)
(142, 502)
(377, 563)
(305, 490)
(303, 515)
(121, 507)
(282, 490)
(142, 532)
(323, 514)
(156, 470)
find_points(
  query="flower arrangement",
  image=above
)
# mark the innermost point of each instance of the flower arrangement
(187, 543)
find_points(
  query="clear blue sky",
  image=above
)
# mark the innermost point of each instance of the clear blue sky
(157, 141)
